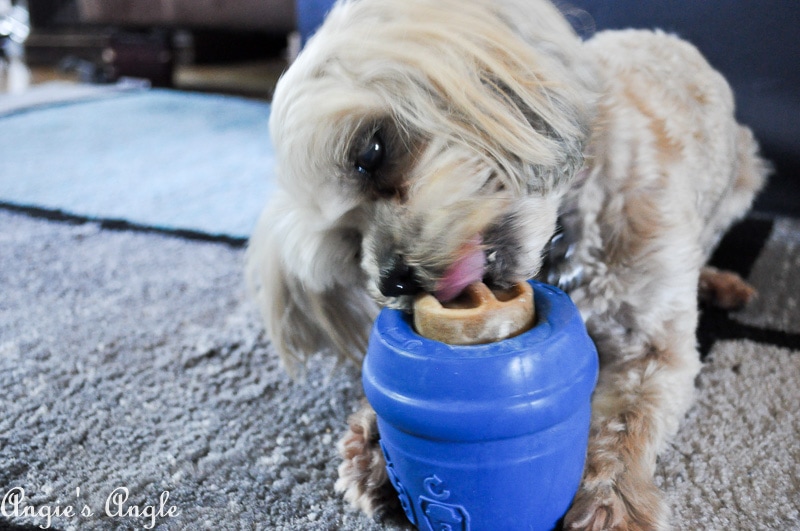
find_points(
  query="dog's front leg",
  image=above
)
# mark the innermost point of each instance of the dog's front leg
(363, 479)
(637, 406)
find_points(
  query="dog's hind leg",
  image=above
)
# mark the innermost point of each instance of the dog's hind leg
(749, 176)
(724, 289)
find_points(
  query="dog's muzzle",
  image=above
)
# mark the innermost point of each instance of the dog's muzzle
(397, 278)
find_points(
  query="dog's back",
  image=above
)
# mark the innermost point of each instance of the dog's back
(667, 129)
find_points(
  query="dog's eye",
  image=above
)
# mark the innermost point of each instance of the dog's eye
(371, 158)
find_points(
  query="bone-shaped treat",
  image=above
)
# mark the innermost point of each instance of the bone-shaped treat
(478, 315)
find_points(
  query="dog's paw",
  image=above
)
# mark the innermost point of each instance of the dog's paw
(363, 479)
(607, 509)
(724, 289)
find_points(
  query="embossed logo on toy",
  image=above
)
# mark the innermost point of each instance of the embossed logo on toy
(442, 516)
(402, 494)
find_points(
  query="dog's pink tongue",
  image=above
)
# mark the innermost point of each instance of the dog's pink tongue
(468, 268)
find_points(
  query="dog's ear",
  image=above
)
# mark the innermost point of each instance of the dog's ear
(507, 78)
(308, 284)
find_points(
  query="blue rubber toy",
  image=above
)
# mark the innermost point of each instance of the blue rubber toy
(484, 437)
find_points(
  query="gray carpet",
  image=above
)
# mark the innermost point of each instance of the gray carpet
(134, 360)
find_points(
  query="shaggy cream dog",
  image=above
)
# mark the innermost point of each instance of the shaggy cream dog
(427, 144)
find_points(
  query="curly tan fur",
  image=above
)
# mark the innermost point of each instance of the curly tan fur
(724, 289)
(363, 480)
(492, 120)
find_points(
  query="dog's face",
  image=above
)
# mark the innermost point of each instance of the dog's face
(424, 145)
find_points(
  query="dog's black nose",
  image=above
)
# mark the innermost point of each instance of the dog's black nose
(397, 278)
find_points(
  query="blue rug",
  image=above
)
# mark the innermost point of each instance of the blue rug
(155, 158)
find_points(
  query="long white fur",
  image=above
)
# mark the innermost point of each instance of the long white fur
(504, 116)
